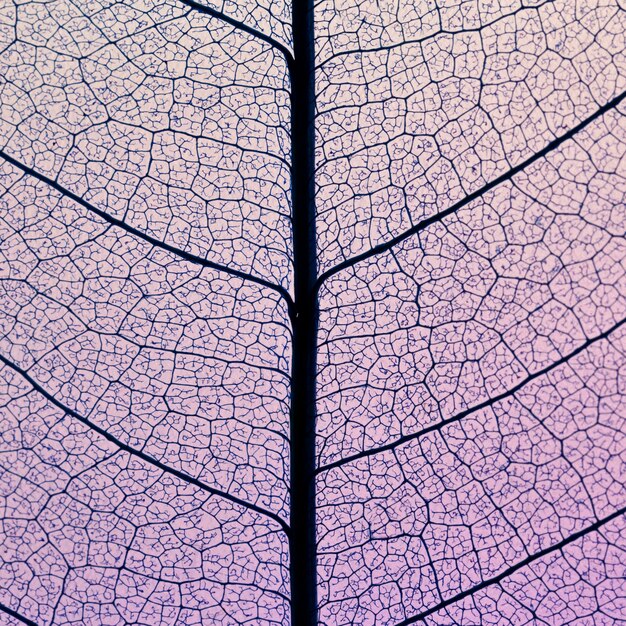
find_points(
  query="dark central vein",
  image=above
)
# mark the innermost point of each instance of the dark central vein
(302, 546)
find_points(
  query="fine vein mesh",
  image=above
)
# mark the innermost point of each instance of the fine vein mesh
(8, 620)
(168, 119)
(513, 305)
(470, 433)
(94, 535)
(580, 584)
(473, 305)
(145, 238)
(406, 529)
(421, 103)
(178, 364)
(187, 365)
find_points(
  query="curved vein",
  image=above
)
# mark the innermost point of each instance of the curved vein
(478, 407)
(145, 457)
(425, 223)
(193, 258)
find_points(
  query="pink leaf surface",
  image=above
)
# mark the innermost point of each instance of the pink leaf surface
(312, 313)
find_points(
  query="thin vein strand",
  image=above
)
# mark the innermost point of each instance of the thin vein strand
(145, 457)
(145, 237)
(511, 570)
(420, 40)
(425, 223)
(244, 27)
(474, 409)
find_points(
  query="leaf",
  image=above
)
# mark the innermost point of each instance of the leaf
(471, 210)
(312, 314)
(145, 207)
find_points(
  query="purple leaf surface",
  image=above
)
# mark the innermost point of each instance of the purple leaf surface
(312, 313)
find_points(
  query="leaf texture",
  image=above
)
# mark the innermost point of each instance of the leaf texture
(170, 120)
(471, 209)
(413, 391)
(420, 104)
(144, 327)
